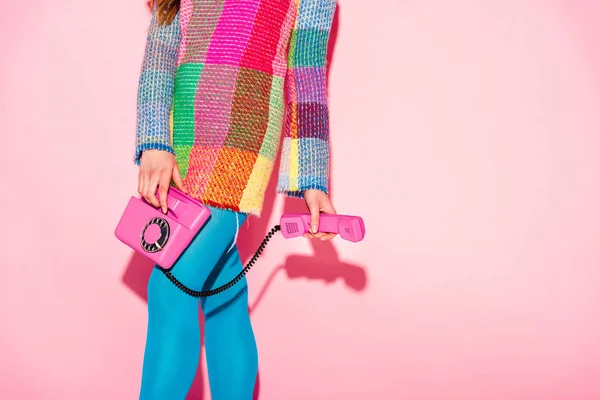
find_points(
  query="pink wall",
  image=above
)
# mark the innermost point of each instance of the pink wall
(466, 135)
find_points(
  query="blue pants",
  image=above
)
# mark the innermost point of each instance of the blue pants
(173, 336)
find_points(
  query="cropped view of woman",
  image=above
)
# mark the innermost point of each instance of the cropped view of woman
(221, 82)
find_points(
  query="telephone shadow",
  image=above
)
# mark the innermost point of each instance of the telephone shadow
(324, 265)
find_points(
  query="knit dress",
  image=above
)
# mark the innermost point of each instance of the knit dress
(222, 83)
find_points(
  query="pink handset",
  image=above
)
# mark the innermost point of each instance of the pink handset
(349, 227)
(161, 237)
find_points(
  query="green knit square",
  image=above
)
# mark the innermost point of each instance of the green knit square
(270, 144)
(186, 83)
(309, 48)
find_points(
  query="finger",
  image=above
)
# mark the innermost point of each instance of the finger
(151, 190)
(145, 184)
(328, 236)
(142, 183)
(163, 189)
(177, 179)
(314, 217)
(141, 177)
(317, 235)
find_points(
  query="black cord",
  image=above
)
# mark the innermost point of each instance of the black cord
(207, 293)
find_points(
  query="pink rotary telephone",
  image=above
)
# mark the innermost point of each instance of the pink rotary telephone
(162, 238)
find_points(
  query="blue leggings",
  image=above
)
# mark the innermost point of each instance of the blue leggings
(173, 336)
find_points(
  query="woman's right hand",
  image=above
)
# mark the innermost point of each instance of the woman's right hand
(157, 167)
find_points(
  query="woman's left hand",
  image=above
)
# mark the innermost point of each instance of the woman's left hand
(318, 202)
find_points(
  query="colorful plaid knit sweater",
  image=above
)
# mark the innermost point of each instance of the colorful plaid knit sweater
(212, 91)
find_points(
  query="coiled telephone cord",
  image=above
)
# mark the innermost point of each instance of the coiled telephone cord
(231, 283)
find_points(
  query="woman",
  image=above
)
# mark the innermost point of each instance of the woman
(210, 114)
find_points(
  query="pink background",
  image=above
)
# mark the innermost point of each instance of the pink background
(466, 135)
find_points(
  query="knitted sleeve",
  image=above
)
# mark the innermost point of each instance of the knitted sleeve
(155, 87)
(305, 148)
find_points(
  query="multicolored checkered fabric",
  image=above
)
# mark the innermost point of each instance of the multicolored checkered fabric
(212, 92)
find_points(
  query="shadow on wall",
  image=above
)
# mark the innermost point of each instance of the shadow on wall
(323, 265)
